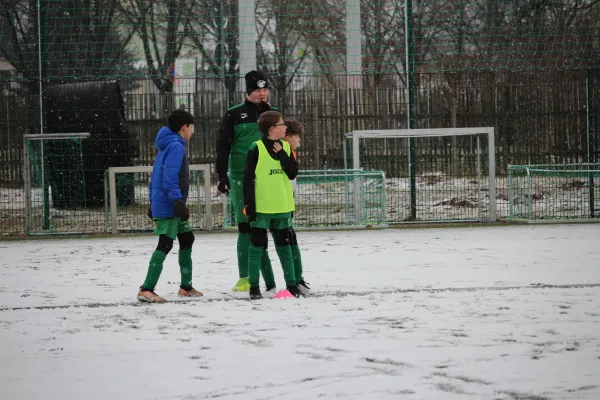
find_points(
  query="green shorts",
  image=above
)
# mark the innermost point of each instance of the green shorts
(171, 227)
(273, 221)
(236, 193)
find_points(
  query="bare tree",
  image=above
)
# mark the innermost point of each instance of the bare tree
(214, 34)
(162, 27)
(519, 34)
(281, 46)
(382, 26)
(89, 46)
(322, 26)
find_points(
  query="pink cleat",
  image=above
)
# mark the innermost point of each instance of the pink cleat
(283, 294)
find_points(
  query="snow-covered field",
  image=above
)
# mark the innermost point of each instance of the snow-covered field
(471, 313)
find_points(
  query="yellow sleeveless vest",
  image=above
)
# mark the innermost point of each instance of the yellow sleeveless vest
(272, 187)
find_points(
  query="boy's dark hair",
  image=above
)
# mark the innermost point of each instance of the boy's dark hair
(178, 118)
(294, 128)
(268, 120)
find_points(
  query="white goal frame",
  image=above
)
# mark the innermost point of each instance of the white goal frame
(436, 132)
(112, 188)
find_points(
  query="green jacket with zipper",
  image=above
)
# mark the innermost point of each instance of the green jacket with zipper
(238, 131)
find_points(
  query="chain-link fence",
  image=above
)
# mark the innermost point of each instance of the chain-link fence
(528, 69)
(554, 192)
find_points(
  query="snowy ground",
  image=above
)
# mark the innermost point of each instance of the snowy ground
(481, 313)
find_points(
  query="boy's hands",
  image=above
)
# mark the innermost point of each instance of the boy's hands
(149, 213)
(180, 210)
(277, 147)
(223, 185)
(263, 106)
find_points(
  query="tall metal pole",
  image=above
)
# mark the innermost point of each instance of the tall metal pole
(354, 82)
(247, 37)
(353, 44)
(221, 55)
(45, 183)
(590, 136)
(39, 26)
(410, 110)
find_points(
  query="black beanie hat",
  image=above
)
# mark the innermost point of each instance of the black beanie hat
(256, 80)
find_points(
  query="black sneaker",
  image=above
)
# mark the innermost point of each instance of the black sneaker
(255, 293)
(295, 291)
(304, 287)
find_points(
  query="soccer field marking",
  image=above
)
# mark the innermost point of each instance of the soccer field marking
(340, 294)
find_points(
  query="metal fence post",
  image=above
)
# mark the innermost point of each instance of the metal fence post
(112, 187)
(27, 184)
(492, 173)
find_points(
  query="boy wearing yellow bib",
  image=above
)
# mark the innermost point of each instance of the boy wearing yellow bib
(293, 134)
(269, 199)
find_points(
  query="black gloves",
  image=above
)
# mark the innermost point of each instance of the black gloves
(250, 213)
(180, 210)
(223, 185)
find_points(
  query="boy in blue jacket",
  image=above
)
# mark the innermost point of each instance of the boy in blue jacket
(169, 188)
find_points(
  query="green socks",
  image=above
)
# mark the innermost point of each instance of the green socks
(255, 255)
(185, 267)
(243, 253)
(243, 244)
(297, 262)
(258, 261)
(156, 266)
(266, 270)
(155, 269)
(287, 263)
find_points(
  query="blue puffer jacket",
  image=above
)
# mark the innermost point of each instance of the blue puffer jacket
(170, 175)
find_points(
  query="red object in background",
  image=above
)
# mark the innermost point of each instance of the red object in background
(171, 72)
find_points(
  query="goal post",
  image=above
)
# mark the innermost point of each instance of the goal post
(342, 198)
(453, 152)
(52, 162)
(553, 193)
(334, 199)
(199, 199)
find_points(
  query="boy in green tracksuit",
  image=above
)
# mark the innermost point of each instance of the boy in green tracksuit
(269, 200)
(293, 134)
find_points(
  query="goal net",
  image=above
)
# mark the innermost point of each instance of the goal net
(432, 175)
(335, 199)
(55, 184)
(554, 191)
(127, 202)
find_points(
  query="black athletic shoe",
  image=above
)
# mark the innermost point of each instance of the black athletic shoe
(295, 291)
(255, 293)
